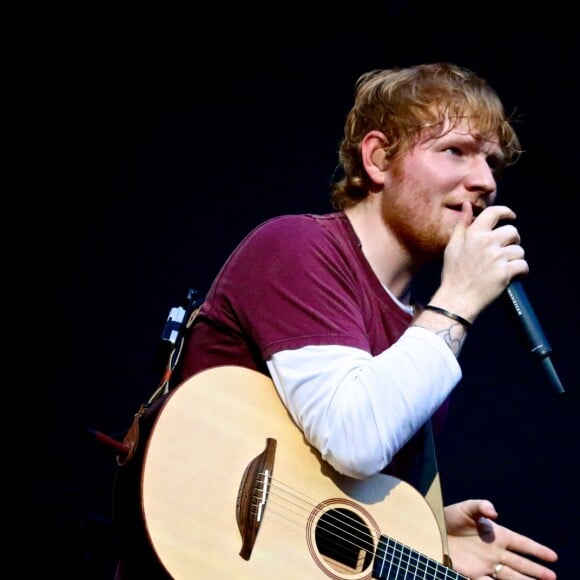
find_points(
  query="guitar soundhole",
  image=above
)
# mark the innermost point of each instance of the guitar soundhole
(344, 541)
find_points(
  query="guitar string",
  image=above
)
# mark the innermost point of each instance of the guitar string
(400, 554)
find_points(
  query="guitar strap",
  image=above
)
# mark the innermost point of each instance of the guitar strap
(430, 487)
(180, 318)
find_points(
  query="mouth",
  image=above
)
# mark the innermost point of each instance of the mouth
(476, 209)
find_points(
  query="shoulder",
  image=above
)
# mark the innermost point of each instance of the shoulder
(299, 228)
(299, 240)
(299, 221)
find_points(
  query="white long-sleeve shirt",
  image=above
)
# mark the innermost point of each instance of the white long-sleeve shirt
(359, 410)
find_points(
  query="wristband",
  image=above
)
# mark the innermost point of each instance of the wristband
(448, 314)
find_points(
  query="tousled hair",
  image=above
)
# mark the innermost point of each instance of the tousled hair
(402, 102)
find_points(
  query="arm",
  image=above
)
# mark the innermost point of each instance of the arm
(359, 410)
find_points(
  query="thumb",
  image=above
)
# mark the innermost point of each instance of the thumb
(485, 513)
(487, 509)
(475, 508)
(481, 508)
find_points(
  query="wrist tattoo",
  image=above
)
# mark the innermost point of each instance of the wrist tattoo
(453, 342)
(453, 336)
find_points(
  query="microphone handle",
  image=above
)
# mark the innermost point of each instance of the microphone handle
(534, 334)
(539, 346)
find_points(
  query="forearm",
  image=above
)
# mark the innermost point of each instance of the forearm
(449, 325)
(359, 410)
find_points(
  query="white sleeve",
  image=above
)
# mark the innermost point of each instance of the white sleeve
(359, 410)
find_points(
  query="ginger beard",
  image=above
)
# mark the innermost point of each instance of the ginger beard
(412, 209)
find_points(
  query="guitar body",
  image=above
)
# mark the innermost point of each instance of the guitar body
(230, 488)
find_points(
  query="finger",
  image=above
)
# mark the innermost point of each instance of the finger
(466, 214)
(477, 508)
(492, 215)
(514, 252)
(507, 234)
(464, 221)
(518, 565)
(520, 544)
(487, 509)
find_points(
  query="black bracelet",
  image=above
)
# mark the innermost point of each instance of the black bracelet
(451, 315)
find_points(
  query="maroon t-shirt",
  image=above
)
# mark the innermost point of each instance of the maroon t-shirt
(295, 281)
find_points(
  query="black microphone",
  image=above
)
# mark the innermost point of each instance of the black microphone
(539, 346)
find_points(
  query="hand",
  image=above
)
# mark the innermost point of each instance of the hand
(477, 544)
(479, 261)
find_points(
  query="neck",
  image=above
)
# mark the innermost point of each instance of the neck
(388, 258)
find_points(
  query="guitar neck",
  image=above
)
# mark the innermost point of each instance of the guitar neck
(393, 559)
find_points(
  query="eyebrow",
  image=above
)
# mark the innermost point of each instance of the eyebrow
(475, 141)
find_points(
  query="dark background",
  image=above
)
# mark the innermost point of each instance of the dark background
(149, 142)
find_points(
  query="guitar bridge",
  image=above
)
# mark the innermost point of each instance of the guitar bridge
(253, 496)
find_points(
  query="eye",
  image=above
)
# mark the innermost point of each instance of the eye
(453, 150)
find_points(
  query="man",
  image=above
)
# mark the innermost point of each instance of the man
(324, 304)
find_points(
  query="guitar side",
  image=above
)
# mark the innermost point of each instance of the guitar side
(206, 435)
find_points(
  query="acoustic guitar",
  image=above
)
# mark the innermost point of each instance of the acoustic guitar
(231, 489)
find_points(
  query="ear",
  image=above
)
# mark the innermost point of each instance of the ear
(373, 156)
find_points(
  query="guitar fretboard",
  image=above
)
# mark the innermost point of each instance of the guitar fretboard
(395, 561)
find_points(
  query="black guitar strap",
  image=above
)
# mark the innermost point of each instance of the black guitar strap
(172, 340)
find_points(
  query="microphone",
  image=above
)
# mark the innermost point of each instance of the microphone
(539, 346)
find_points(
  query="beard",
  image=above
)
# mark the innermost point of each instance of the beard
(409, 212)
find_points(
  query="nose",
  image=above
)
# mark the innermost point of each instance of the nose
(480, 177)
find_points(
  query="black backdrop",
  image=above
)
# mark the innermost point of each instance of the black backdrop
(152, 142)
